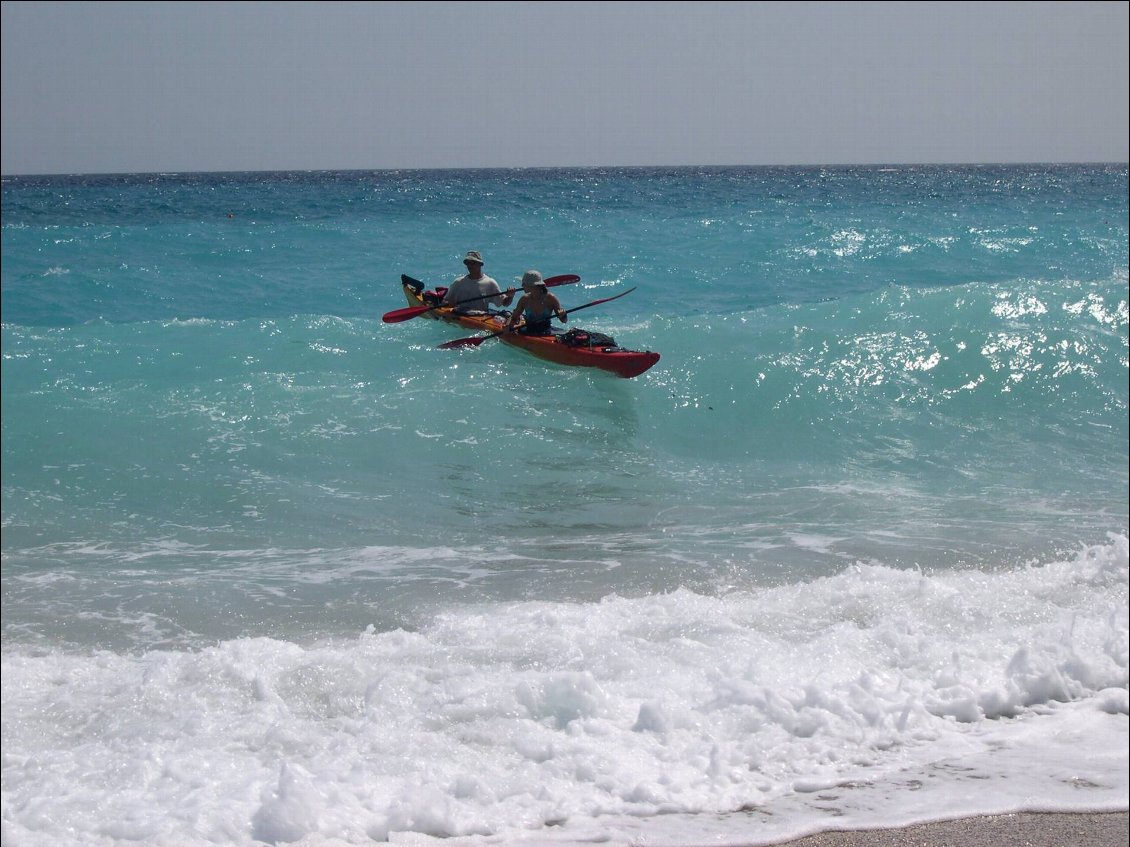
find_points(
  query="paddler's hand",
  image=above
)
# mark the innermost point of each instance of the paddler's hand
(508, 295)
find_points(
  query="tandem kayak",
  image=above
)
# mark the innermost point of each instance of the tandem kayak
(576, 347)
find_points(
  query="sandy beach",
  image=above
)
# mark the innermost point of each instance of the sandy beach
(1022, 830)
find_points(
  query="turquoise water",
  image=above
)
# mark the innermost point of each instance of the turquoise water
(872, 380)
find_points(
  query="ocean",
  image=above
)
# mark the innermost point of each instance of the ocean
(853, 553)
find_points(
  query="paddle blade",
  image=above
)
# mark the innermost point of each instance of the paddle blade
(562, 279)
(398, 315)
(473, 341)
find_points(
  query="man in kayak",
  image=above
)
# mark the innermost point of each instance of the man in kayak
(476, 286)
(536, 307)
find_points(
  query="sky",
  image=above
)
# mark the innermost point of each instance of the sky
(140, 87)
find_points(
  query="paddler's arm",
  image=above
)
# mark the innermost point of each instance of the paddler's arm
(516, 315)
(507, 296)
(555, 304)
(449, 298)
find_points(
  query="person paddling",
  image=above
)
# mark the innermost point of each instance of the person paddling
(476, 286)
(536, 307)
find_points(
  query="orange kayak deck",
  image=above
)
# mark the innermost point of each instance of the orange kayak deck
(616, 360)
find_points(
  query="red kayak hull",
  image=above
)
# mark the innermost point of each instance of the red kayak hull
(623, 363)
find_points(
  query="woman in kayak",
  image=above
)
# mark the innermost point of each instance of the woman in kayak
(536, 307)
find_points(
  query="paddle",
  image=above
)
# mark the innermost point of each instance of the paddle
(476, 340)
(398, 315)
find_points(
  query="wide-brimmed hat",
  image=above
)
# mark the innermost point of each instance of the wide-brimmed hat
(473, 256)
(533, 278)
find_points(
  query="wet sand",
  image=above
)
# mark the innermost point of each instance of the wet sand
(1023, 830)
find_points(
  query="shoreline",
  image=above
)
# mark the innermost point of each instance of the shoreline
(1024, 829)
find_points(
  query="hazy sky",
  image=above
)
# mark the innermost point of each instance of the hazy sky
(229, 86)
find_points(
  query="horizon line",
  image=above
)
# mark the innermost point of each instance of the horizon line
(178, 172)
